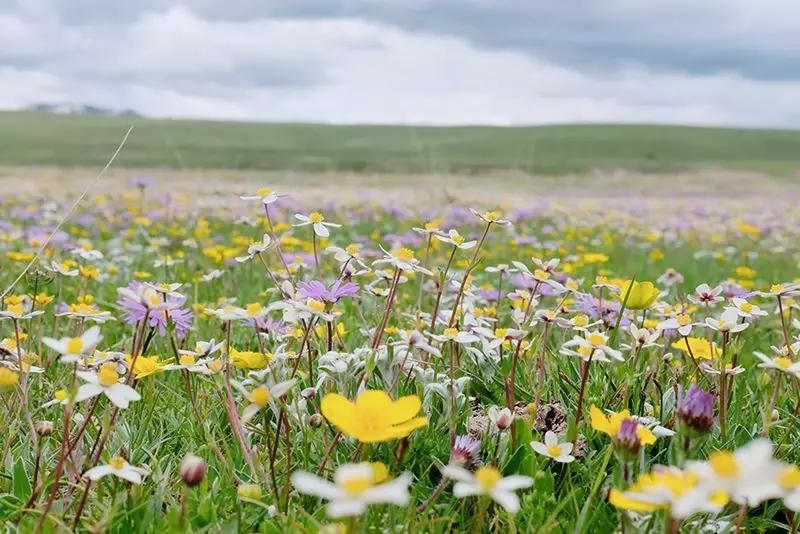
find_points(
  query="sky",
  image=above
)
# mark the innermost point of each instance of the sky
(504, 62)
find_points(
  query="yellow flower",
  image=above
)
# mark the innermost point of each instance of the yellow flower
(608, 424)
(373, 417)
(147, 365)
(700, 348)
(641, 296)
(8, 377)
(249, 360)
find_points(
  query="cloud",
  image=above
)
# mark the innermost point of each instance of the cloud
(424, 62)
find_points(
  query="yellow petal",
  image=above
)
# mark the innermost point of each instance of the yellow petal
(404, 409)
(337, 409)
(621, 500)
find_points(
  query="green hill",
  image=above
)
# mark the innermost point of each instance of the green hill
(32, 138)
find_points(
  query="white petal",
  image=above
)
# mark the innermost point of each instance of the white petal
(507, 500)
(540, 447)
(96, 473)
(514, 482)
(321, 230)
(87, 391)
(465, 489)
(129, 474)
(457, 473)
(311, 484)
(345, 508)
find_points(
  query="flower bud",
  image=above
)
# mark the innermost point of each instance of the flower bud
(775, 415)
(44, 428)
(696, 409)
(627, 439)
(308, 393)
(315, 420)
(193, 470)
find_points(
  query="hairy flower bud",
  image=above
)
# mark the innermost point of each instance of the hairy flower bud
(627, 439)
(44, 428)
(696, 409)
(193, 470)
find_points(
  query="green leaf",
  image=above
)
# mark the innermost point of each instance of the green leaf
(22, 485)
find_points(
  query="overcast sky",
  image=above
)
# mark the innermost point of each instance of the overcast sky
(726, 62)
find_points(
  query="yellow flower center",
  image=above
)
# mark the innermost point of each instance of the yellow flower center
(430, 226)
(488, 476)
(776, 288)
(117, 462)
(554, 451)
(260, 396)
(316, 217)
(790, 477)
(352, 249)
(215, 366)
(458, 239)
(316, 305)
(404, 254)
(541, 274)
(74, 345)
(379, 471)
(60, 395)
(585, 351)
(187, 360)
(451, 332)
(263, 191)
(746, 306)
(253, 309)
(16, 309)
(684, 319)
(355, 486)
(500, 332)
(580, 320)
(724, 464)
(783, 363)
(107, 375)
(493, 216)
(596, 340)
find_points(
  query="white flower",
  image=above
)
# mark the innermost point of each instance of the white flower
(502, 268)
(265, 195)
(750, 475)
(261, 396)
(553, 448)
(705, 295)
(317, 220)
(487, 480)
(212, 275)
(118, 467)
(403, 259)
(552, 316)
(644, 336)
(72, 349)
(106, 381)
(780, 290)
(728, 322)
(62, 269)
(17, 312)
(498, 336)
(354, 488)
(349, 255)
(491, 217)
(410, 340)
(681, 322)
(745, 309)
(456, 239)
(594, 346)
(456, 335)
(257, 247)
(781, 363)
(230, 313)
(146, 295)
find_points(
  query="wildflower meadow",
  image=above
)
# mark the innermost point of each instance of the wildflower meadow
(254, 362)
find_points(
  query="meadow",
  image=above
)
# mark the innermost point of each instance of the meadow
(185, 357)
(486, 341)
(30, 138)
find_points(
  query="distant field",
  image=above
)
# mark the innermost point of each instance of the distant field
(28, 138)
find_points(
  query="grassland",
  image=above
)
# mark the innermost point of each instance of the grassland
(28, 138)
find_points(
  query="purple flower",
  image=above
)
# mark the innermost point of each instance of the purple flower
(696, 409)
(134, 312)
(316, 290)
(466, 451)
(626, 439)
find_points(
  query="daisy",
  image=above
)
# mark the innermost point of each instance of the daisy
(487, 480)
(265, 195)
(106, 381)
(781, 363)
(261, 396)
(728, 322)
(553, 448)
(73, 349)
(594, 345)
(454, 334)
(317, 220)
(354, 488)
(491, 217)
(256, 248)
(403, 259)
(118, 467)
(456, 239)
(746, 309)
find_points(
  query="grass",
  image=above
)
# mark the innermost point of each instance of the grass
(134, 232)
(28, 138)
